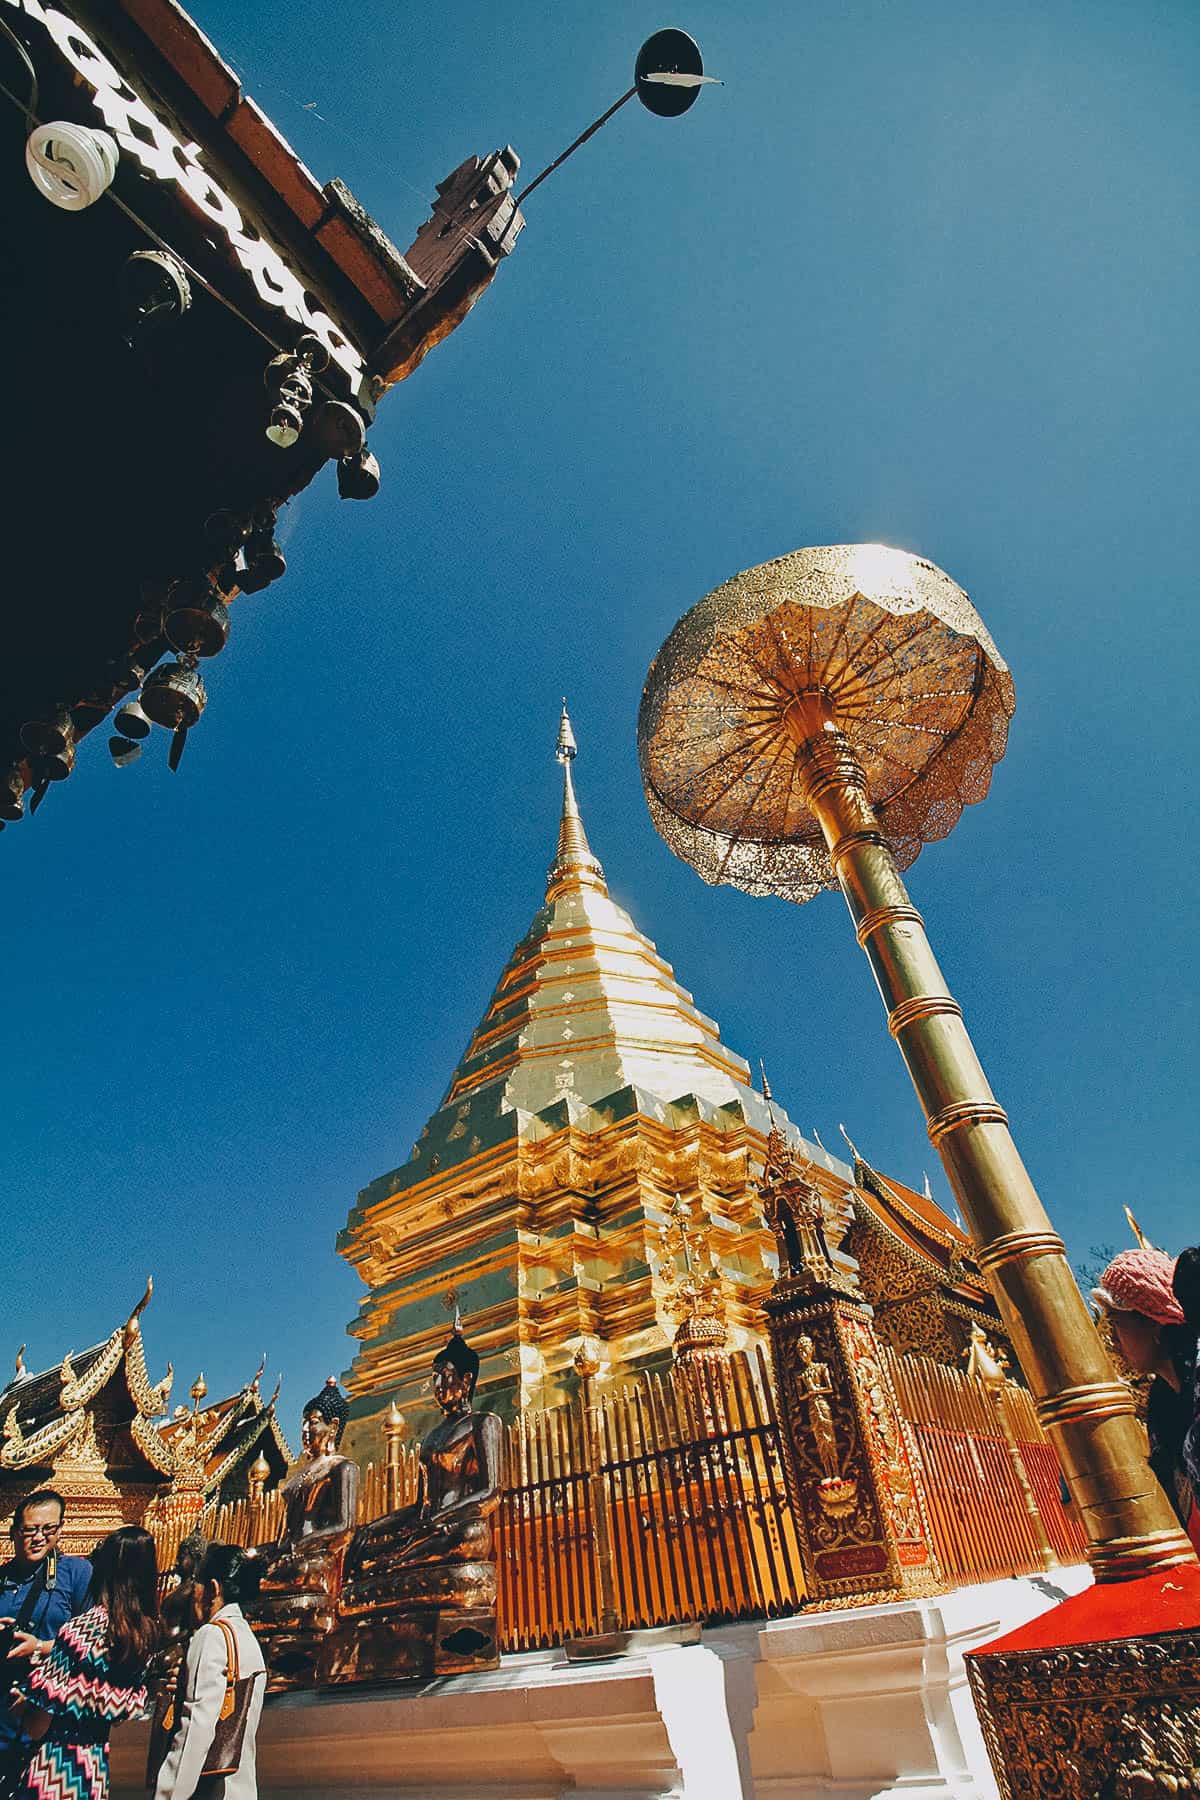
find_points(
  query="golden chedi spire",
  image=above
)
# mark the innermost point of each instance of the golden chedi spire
(574, 866)
(585, 1009)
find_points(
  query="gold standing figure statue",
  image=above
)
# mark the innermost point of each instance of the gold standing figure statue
(811, 724)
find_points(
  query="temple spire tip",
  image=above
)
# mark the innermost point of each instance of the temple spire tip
(566, 749)
(574, 864)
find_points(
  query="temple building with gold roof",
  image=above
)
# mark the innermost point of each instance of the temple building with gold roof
(97, 1429)
(593, 1097)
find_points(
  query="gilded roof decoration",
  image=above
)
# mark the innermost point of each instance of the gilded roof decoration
(57, 1403)
(49, 1417)
(207, 1444)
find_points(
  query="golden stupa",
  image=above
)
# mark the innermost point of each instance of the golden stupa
(592, 1099)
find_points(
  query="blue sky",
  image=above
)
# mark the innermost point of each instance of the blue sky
(922, 273)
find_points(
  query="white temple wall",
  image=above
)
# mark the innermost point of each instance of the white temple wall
(861, 1704)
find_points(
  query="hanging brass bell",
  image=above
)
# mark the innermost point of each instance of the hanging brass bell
(358, 476)
(48, 736)
(123, 752)
(336, 429)
(289, 381)
(12, 794)
(55, 766)
(265, 562)
(226, 530)
(154, 291)
(173, 696)
(197, 618)
(131, 721)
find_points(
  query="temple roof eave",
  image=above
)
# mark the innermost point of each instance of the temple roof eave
(60, 1398)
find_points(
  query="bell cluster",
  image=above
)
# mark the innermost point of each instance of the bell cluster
(72, 166)
(331, 429)
(191, 616)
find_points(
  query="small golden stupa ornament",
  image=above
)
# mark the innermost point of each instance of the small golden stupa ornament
(809, 725)
(693, 1292)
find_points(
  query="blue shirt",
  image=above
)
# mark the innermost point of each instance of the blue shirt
(52, 1608)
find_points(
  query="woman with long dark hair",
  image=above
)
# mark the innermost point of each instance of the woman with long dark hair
(223, 1674)
(94, 1676)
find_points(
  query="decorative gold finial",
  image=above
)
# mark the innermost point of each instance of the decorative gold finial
(795, 1212)
(586, 1360)
(1139, 1236)
(21, 1363)
(856, 1155)
(567, 749)
(767, 1095)
(256, 1479)
(131, 1324)
(395, 1425)
(694, 1297)
(574, 865)
(198, 1390)
(258, 1373)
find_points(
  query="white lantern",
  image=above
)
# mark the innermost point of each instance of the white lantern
(70, 164)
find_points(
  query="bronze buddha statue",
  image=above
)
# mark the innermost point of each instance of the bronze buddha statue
(419, 1595)
(296, 1605)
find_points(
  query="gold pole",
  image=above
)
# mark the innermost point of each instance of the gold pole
(1088, 1415)
(982, 1364)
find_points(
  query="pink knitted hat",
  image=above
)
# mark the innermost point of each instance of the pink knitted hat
(1140, 1281)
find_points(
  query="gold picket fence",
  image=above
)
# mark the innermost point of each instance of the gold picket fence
(977, 1512)
(662, 1503)
(665, 1501)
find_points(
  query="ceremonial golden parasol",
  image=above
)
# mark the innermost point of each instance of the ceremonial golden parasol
(809, 725)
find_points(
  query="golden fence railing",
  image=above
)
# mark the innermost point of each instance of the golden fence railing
(980, 1524)
(691, 1478)
(667, 1501)
(546, 1552)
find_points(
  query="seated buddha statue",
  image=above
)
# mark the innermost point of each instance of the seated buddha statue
(297, 1601)
(419, 1595)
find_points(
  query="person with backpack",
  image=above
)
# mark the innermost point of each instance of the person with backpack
(210, 1722)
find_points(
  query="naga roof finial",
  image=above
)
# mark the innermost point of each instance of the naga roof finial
(853, 1148)
(131, 1324)
(1139, 1236)
(21, 1370)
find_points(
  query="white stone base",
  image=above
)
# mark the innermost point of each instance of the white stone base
(860, 1704)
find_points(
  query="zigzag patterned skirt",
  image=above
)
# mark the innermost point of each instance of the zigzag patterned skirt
(68, 1772)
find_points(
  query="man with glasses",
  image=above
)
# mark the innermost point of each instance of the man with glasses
(39, 1591)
